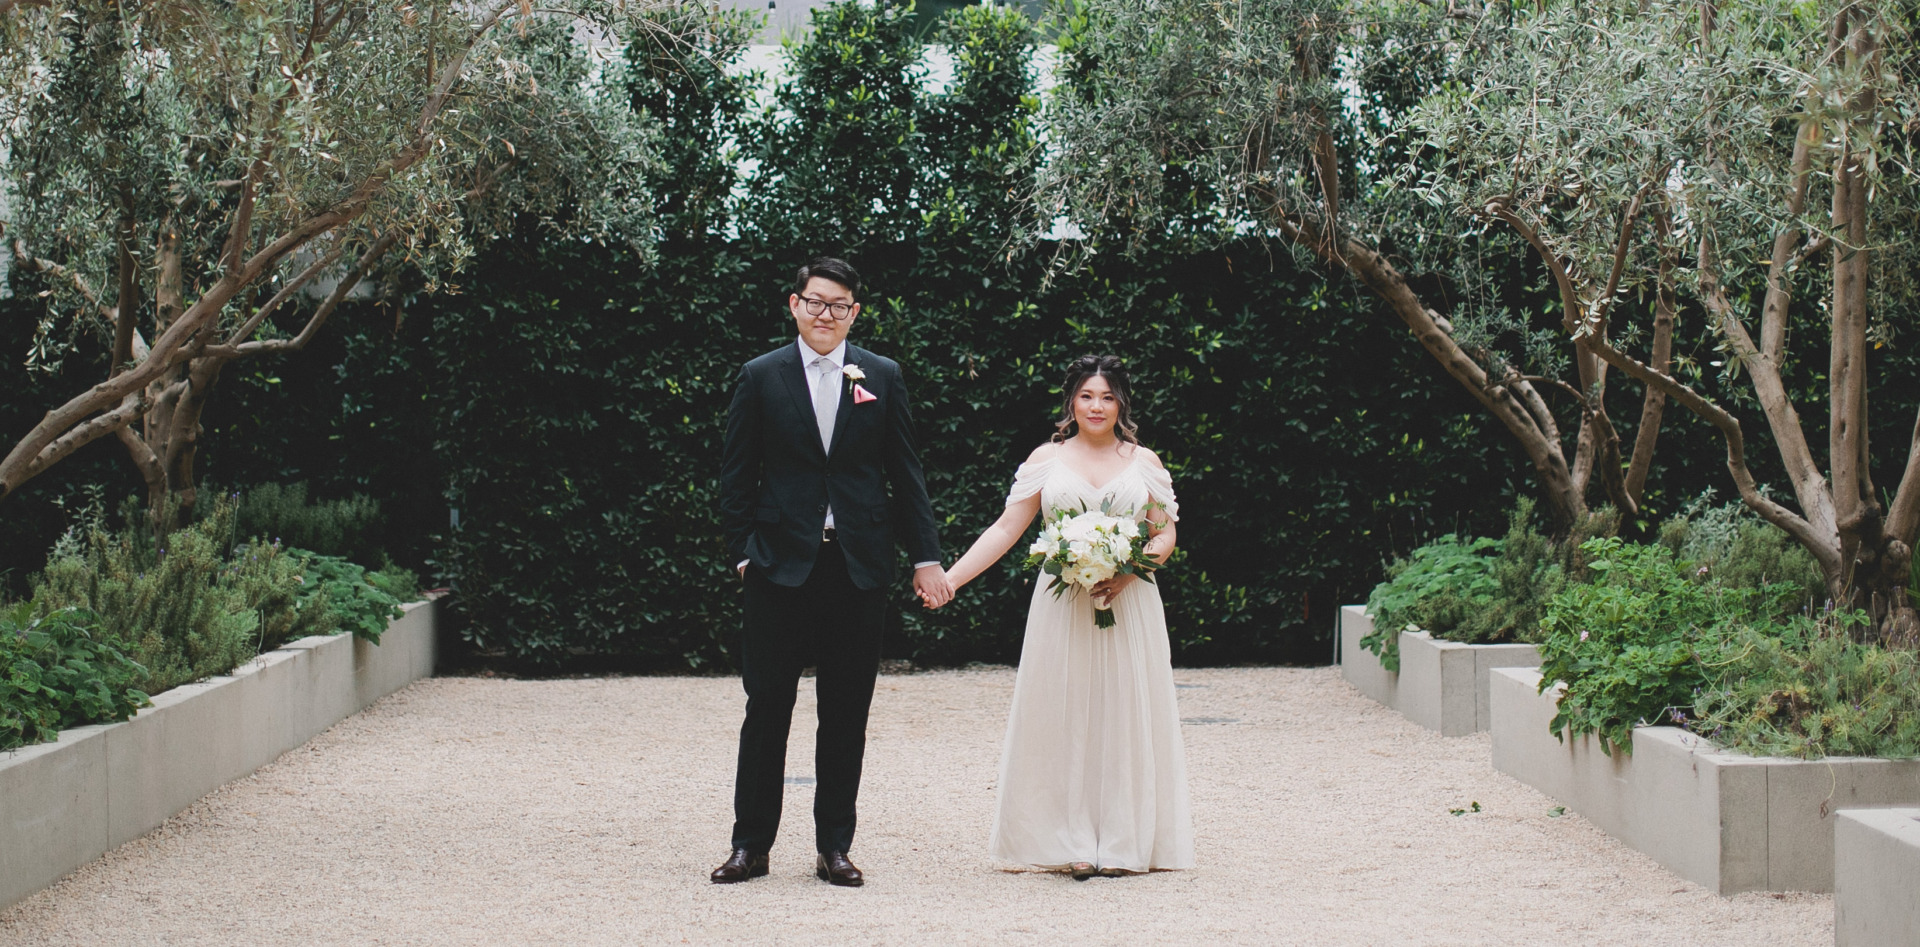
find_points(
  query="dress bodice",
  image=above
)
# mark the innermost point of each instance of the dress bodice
(1061, 487)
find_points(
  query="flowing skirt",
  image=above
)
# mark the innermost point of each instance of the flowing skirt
(1093, 768)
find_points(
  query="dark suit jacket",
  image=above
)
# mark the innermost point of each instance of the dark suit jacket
(776, 481)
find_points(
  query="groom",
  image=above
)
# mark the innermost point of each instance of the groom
(819, 474)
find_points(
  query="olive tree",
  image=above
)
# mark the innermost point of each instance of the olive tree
(1755, 160)
(1269, 115)
(192, 183)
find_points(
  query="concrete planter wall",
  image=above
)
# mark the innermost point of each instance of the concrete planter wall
(65, 803)
(1730, 822)
(1876, 877)
(1441, 685)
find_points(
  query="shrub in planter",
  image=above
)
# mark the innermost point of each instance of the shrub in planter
(179, 607)
(57, 671)
(361, 602)
(1637, 643)
(1438, 586)
(349, 528)
(1805, 687)
(1478, 591)
(1740, 550)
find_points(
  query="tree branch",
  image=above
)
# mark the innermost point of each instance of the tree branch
(1809, 483)
(80, 436)
(1773, 312)
(1903, 518)
(325, 309)
(293, 286)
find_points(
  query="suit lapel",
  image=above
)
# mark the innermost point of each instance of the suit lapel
(793, 375)
(845, 411)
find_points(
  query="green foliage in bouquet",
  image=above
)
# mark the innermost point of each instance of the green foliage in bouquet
(1083, 548)
(362, 602)
(1637, 642)
(1805, 687)
(183, 607)
(58, 671)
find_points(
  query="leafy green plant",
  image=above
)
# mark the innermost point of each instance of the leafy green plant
(282, 513)
(361, 602)
(1738, 549)
(1806, 687)
(57, 671)
(1457, 592)
(1629, 644)
(181, 607)
(1438, 585)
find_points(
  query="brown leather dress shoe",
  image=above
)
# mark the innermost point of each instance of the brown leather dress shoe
(834, 868)
(740, 866)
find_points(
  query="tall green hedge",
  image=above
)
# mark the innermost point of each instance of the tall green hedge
(579, 398)
(568, 402)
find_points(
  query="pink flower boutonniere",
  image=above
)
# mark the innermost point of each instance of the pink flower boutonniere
(860, 394)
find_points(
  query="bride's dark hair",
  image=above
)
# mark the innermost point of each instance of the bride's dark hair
(1110, 368)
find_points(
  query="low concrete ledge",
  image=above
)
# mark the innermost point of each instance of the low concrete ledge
(1876, 877)
(1728, 821)
(65, 803)
(1441, 685)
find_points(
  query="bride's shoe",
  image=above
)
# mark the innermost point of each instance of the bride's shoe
(1081, 871)
(1114, 872)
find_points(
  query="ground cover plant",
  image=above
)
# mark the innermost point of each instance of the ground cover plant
(58, 671)
(1807, 687)
(362, 602)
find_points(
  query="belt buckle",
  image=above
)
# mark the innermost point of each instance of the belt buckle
(828, 534)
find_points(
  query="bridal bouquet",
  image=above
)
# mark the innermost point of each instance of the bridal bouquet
(1089, 547)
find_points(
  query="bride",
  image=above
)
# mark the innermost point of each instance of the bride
(1093, 776)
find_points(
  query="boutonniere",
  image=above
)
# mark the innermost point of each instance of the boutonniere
(854, 375)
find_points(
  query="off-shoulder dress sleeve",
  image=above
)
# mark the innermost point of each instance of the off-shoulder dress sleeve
(1160, 488)
(1028, 480)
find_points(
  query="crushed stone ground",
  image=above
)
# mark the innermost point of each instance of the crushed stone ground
(491, 811)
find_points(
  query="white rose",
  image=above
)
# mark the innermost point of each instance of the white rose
(853, 372)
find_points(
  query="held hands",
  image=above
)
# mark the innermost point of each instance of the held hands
(1104, 593)
(931, 584)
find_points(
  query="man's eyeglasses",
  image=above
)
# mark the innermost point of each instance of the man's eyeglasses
(841, 311)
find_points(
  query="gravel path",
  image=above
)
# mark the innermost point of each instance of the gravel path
(485, 811)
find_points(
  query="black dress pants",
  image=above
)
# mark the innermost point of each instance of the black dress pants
(836, 625)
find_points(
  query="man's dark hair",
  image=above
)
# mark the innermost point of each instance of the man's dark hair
(827, 267)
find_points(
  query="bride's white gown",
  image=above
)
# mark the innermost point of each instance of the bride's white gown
(1093, 769)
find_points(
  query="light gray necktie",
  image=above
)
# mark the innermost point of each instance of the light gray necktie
(826, 399)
